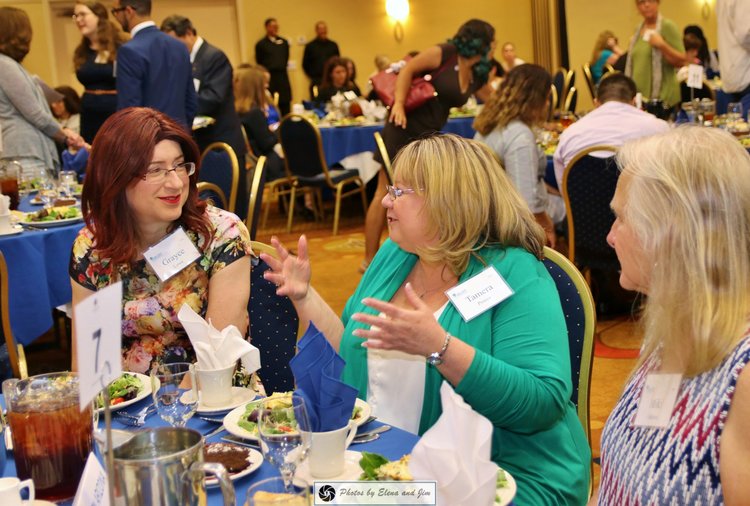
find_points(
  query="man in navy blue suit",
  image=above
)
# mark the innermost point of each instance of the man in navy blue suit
(153, 69)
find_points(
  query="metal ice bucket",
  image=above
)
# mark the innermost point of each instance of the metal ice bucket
(164, 467)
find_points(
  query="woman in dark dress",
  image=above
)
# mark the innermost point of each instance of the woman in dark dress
(94, 62)
(335, 80)
(459, 68)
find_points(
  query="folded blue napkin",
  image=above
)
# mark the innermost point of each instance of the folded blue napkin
(317, 372)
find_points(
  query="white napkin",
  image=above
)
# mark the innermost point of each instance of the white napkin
(455, 452)
(215, 349)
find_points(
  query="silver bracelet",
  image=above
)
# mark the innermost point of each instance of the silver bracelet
(436, 358)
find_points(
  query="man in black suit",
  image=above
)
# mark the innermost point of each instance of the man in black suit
(212, 77)
(272, 52)
(317, 53)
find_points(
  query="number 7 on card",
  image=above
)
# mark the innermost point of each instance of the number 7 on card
(98, 336)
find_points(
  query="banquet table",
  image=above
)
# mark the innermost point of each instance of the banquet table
(392, 444)
(37, 275)
(342, 141)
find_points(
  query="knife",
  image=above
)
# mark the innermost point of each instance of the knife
(240, 441)
(376, 430)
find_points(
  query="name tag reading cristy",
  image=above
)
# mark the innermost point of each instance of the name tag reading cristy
(172, 254)
(657, 400)
(479, 293)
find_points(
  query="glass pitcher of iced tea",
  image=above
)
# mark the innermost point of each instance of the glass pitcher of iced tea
(52, 438)
(10, 170)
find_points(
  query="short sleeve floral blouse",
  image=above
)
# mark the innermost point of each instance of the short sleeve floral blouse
(151, 331)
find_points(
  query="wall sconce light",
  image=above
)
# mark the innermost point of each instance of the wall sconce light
(706, 9)
(397, 10)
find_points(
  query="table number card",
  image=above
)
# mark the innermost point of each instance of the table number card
(92, 489)
(98, 339)
(695, 76)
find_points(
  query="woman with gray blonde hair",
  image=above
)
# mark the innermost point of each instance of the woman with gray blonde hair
(454, 216)
(678, 434)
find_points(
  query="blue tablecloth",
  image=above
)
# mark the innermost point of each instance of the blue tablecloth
(37, 275)
(392, 444)
(340, 142)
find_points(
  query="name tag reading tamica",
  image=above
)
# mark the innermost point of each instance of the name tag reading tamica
(657, 400)
(479, 293)
(172, 254)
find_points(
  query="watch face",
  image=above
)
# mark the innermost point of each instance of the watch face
(434, 359)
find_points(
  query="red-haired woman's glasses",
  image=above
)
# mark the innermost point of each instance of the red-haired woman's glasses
(159, 174)
(395, 192)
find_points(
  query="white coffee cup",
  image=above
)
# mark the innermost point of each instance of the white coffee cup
(6, 226)
(10, 491)
(215, 385)
(328, 450)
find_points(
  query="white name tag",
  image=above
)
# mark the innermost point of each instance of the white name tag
(657, 400)
(92, 489)
(171, 254)
(479, 293)
(695, 76)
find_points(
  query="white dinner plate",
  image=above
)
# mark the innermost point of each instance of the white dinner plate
(232, 426)
(254, 457)
(352, 471)
(240, 396)
(505, 495)
(15, 231)
(144, 392)
(52, 223)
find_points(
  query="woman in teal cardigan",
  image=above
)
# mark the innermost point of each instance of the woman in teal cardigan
(453, 215)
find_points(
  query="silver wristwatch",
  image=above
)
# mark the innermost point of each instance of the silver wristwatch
(436, 358)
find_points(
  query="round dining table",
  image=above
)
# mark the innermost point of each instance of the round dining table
(392, 444)
(38, 280)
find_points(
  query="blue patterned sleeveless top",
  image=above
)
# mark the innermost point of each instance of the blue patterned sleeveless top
(678, 464)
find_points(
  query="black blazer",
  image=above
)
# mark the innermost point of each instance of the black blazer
(216, 99)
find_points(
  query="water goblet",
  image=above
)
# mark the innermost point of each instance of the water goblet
(175, 392)
(285, 434)
(734, 110)
(48, 191)
(68, 180)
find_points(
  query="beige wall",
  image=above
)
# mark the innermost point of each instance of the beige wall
(587, 18)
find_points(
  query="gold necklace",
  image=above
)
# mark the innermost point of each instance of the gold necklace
(440, 286)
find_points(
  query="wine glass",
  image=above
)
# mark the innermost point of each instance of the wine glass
(48, 190)
(175, 392)
(296, 496)
(285, 434)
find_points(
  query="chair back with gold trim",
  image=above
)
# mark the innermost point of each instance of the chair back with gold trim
(559, 80)
(219, 166)
(274, 325)
(304, 158)
(571, 100)
(251, 157)
(384, 155)
(12, 356)
(580, 320)
(256, 197)
(552, 102)
(213, 194)
(589, 80)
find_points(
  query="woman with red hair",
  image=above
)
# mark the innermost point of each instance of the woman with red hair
(140, 188)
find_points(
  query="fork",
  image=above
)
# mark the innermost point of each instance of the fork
(213, 432)
(138, 419)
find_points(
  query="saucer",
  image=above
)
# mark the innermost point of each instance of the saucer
(351, 472)
(17, 229)
(38, 502)
(240, 396)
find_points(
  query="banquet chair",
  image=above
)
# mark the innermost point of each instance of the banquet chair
(213, 194)
(552, 103)
(255, 202)
(250, 157)
(304, 158)
(580, 320)
(589, 80)
(12, 356)
(558, 82)
(273, 325)
(588, 186)
(219, 166)
(570, 100)
(386, 159)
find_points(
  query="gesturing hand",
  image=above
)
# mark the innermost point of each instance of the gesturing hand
(414, 331)
(398, 115)
(291, 274)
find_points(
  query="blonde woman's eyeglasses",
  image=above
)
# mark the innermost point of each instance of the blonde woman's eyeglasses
(395, 192)
(159, 174)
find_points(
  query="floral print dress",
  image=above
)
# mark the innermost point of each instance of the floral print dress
(151, 331)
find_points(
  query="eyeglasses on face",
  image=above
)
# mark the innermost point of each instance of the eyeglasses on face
(395, 192)
(115, 10)
(159, 174)
(79, 15)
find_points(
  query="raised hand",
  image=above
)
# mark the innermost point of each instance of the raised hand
(291, 274)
